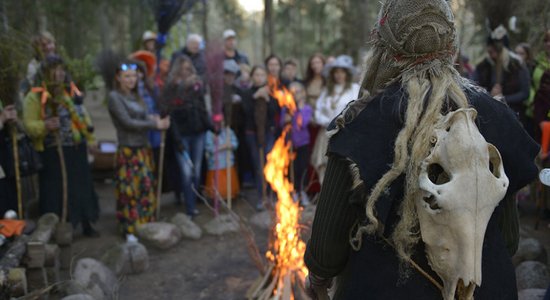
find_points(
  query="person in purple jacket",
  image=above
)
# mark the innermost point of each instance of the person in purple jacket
(300, 137)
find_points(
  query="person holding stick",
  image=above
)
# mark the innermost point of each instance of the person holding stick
(135, 180)
(258, 116)
(183, 96)
(61, 135)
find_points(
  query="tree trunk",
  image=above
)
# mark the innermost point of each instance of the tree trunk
(269, 34)
(105, 35)
(205, 19)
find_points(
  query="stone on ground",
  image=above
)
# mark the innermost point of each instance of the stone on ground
(221, 224)
(263, 220)
(531, 294)
(188, 228)
(159, 234)
(127, 258)
(98, 280)
(532, 275)
(529, 249)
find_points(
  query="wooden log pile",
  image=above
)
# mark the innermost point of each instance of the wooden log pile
(42, 257)
(31, 262)
(13, 280)
(273, 285)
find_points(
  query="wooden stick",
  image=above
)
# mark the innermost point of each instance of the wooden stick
(262, 166)
(15, 149)
(228, 167)
(63, 177)
(160, 170)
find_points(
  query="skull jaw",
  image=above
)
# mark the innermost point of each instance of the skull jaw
(457, 261)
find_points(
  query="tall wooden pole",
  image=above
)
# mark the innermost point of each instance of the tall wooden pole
(17, 170)
(160, 170)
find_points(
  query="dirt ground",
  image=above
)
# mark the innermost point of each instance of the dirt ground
(210, 268)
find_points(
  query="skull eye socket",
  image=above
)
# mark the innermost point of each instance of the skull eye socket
(494, 161)
(437, 174)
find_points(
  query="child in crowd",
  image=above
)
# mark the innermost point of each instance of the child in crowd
(219, 147)
(300, 137)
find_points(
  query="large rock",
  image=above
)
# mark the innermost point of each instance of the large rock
(222, 224)
(529, 249)
(127, 258)
(159, 234)
(263, 220)
(531, 294)
(532, 275)
(188, 228)
(98, 280)
(79, 297)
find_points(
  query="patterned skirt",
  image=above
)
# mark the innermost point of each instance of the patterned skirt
(135, 188)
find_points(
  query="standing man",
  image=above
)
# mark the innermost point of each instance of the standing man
(149, 40)
(193, 50)
(504, 75)
(230, 48)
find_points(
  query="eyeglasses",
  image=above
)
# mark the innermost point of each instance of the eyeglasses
(126, 67)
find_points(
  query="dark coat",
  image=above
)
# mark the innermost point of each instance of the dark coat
(368, 141)
(515, 82)
(187, 109)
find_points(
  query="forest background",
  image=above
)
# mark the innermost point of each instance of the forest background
(288, 28)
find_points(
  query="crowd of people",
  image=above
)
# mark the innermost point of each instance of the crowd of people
(174, 103)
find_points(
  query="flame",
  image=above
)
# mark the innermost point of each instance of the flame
(287, 249)
(282, 94)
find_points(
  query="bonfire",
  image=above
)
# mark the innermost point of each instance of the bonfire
(284, 278)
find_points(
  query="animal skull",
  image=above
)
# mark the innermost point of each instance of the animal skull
(461, 182)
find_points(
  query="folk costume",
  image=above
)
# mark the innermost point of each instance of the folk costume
(135, 179)
(74, 134)
(388, 224)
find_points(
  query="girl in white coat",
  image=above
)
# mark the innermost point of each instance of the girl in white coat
(340, 90)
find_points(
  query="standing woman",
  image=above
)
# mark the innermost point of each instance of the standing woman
(135, 188)
(314, 83)
(314, 80)
(51, 117)
(256, 118)
(184, 94)
(338, 93)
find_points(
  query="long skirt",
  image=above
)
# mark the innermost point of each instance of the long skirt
(82, 201)
(222, 183)
(135, 188)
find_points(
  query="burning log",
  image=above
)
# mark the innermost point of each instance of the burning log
(273, 285)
